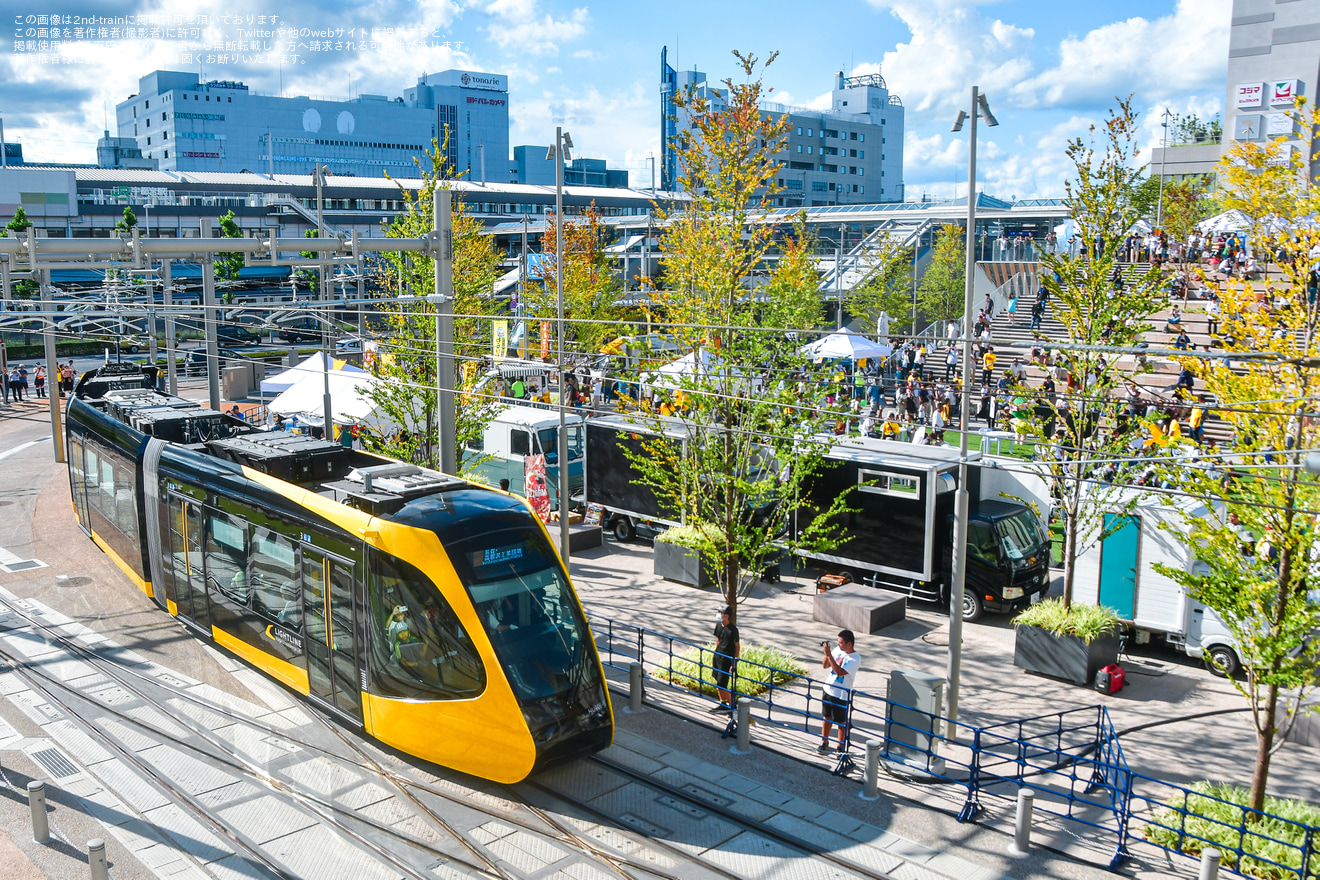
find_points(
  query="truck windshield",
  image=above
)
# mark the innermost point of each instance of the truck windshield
(527, 609)
(549, 440)
(1020, 534)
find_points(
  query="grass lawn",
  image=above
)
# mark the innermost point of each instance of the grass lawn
(1214, 814)
(760, 667)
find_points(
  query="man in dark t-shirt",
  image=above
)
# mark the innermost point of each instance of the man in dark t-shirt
(727, 649)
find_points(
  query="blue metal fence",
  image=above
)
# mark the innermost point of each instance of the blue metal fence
(1072, 760)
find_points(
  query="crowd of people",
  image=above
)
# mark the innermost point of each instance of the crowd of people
(21, 384)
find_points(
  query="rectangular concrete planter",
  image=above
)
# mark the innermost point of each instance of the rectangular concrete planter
(1066, 657)
(681, 564)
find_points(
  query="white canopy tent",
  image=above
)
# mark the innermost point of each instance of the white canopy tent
(314, 365)
(694, 363)
(1229, 221)
(848, 345)
(350, 400)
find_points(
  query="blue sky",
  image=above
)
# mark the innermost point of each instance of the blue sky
(1049, 68)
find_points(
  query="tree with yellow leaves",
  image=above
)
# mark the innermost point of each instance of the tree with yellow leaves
(591, 289)
(750, 440)
(1260, 576)
(407, 360)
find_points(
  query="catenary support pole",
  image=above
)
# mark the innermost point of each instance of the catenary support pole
(52, 367)
(209, 315)
(962, 498)
(153, 355)
(447, 414)
(171, 352)
(562, 446)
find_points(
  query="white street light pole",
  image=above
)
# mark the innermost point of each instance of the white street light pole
(1164, 152)
(962, 498)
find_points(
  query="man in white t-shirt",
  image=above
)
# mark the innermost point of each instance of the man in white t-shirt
(841, 663)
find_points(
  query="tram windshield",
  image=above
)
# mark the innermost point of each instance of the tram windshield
(527, 608)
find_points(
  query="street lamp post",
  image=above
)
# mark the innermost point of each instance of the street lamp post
(560, 151)
(957, 588)
(1164, 152)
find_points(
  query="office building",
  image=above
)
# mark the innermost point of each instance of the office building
(1273, 56)
(850, 154)
(187, 125)
(530, 165)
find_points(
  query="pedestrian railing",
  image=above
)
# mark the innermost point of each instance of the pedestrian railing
(1072, 761)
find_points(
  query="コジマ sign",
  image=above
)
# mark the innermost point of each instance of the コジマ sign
(1250, 94)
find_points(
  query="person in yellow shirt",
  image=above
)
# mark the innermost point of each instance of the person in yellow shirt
(988, 367)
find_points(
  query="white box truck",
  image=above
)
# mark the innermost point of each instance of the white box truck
(1116, 568)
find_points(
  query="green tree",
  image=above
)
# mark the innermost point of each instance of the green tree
(20, 221)
(228, 264)
(407, 360)
(1103, 196)
(1186, 203)
(128, 221)
(750, 442)
(942, 290)
(886, 287)
(1263, 597)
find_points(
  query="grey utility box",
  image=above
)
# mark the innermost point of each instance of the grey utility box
(912, 725)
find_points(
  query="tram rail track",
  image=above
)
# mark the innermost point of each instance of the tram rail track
(546, 824)
(403, 784)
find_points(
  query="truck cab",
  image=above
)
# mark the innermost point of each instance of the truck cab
(518, 432)
(1008, 558)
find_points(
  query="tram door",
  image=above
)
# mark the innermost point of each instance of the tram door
(78, 458)
(186, 549)
(331, 649)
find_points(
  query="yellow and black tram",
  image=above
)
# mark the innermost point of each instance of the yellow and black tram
(432, 612)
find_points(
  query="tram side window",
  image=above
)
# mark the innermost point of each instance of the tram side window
(226, 557)
(107, 489)
(273, 575)
(125, 502)
(419, 648)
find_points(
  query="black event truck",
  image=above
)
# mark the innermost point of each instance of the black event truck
(900, 535)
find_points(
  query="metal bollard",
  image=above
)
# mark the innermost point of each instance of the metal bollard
(634, 687)
(1026, 803)
(744, 726)
(96, 859)
(37, 804)
(1210, 859)
(871, 790)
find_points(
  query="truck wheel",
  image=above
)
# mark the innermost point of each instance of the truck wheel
(972, 607)
(623, 530)
(1222, 661)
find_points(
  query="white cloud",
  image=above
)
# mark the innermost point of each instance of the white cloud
(588, 55)
(527, 34)
(1181, 52)
(57, 110)
(952, 47)
(620, 124)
